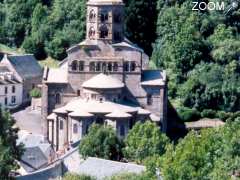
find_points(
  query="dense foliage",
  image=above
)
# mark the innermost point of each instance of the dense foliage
(144, 140)
(77, 177)
(10, 151)
(209, 154)
(49, 27)
(101, 142)
(200, 51)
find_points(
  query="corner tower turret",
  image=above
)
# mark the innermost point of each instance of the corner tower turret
(105, 20)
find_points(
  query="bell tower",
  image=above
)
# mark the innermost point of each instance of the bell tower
(105, 20)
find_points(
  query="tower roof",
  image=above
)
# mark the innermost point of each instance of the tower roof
(103, 81)
(105, 2)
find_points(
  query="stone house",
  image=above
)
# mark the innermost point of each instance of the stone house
(105, 79)
(11, 89)
(26, 70)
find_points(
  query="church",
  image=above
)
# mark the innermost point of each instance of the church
(105, 79)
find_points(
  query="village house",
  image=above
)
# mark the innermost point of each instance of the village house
(105, 79)
(19, 75)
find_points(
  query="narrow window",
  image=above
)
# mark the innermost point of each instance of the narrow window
(75, 128)
(133, 66)
(91, 33)
(92, 66)
(74, 65)
(61, 125)
(149, 99)
(126, 67)
(6, 90)
(104, 16)
(81, 66)
(103, 32)
(58, 98)
(110, 68)
(13, 99)
(122, 130)
(115, 67)
(13, 89)
(78, 93)
(6, 101)
(92, 15)
(104, 67)
(98, 67)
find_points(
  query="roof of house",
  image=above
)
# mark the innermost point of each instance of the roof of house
(153, 78)
(102, 168)
(80, 114)
(25, 65)
(56, 76)
(102, 81)
(33, 159)
(105, 2)
(204, 123)
(118, 114)
(4, 69)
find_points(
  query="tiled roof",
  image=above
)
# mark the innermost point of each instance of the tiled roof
(56, 76)
(25, 65)
(153, 78)
(103, 81)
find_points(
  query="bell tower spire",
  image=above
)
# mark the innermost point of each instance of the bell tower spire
(105, 20)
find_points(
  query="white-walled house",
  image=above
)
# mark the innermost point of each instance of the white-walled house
(11, 90)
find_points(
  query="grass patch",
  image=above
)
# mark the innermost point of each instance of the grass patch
(49, 62)
(10, 50)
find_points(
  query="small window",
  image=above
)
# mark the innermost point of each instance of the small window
(110, 67)
(92, 66)
(98, 67)
(81, 66)
(104, 67)
(92, 15)
(78, 93)
(13, 89)
(149, 99)
(126, 67)
(122, 130)
(94, 96)
(74, 65)
(115, 67)
(6, 90)
(91, 33)
(103, 32)
(104, 16)
(58, 98)
(75, 128)
(133, 66)
(13, 100)
(61, 125)
(6, 101)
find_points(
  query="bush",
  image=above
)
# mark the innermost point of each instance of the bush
(78, 177)
(35, 93)
(187, 114)
(127, 176)
(208, 113)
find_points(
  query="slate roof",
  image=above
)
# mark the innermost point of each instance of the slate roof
(102, 168)
(25, 65)
(33, 159)
(56, 76)
(153, 78)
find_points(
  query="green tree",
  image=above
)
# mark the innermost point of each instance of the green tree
(9, 150)
(101, 142)
(144, 140)
(140, 20)
(77, 177)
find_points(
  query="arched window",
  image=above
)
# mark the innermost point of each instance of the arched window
(115, 66)
(133, 66)
(92, 66)
(58, 98)
(103, 32)
(92, 15)
(13, 89)
(81, 66)
(117, 17)
(126, 67)
(98, 66)
(74, 65)
(104, 16)
(110, 66)
(91, 33)
(104, 67)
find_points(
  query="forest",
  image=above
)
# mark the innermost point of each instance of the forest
(200, 50)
